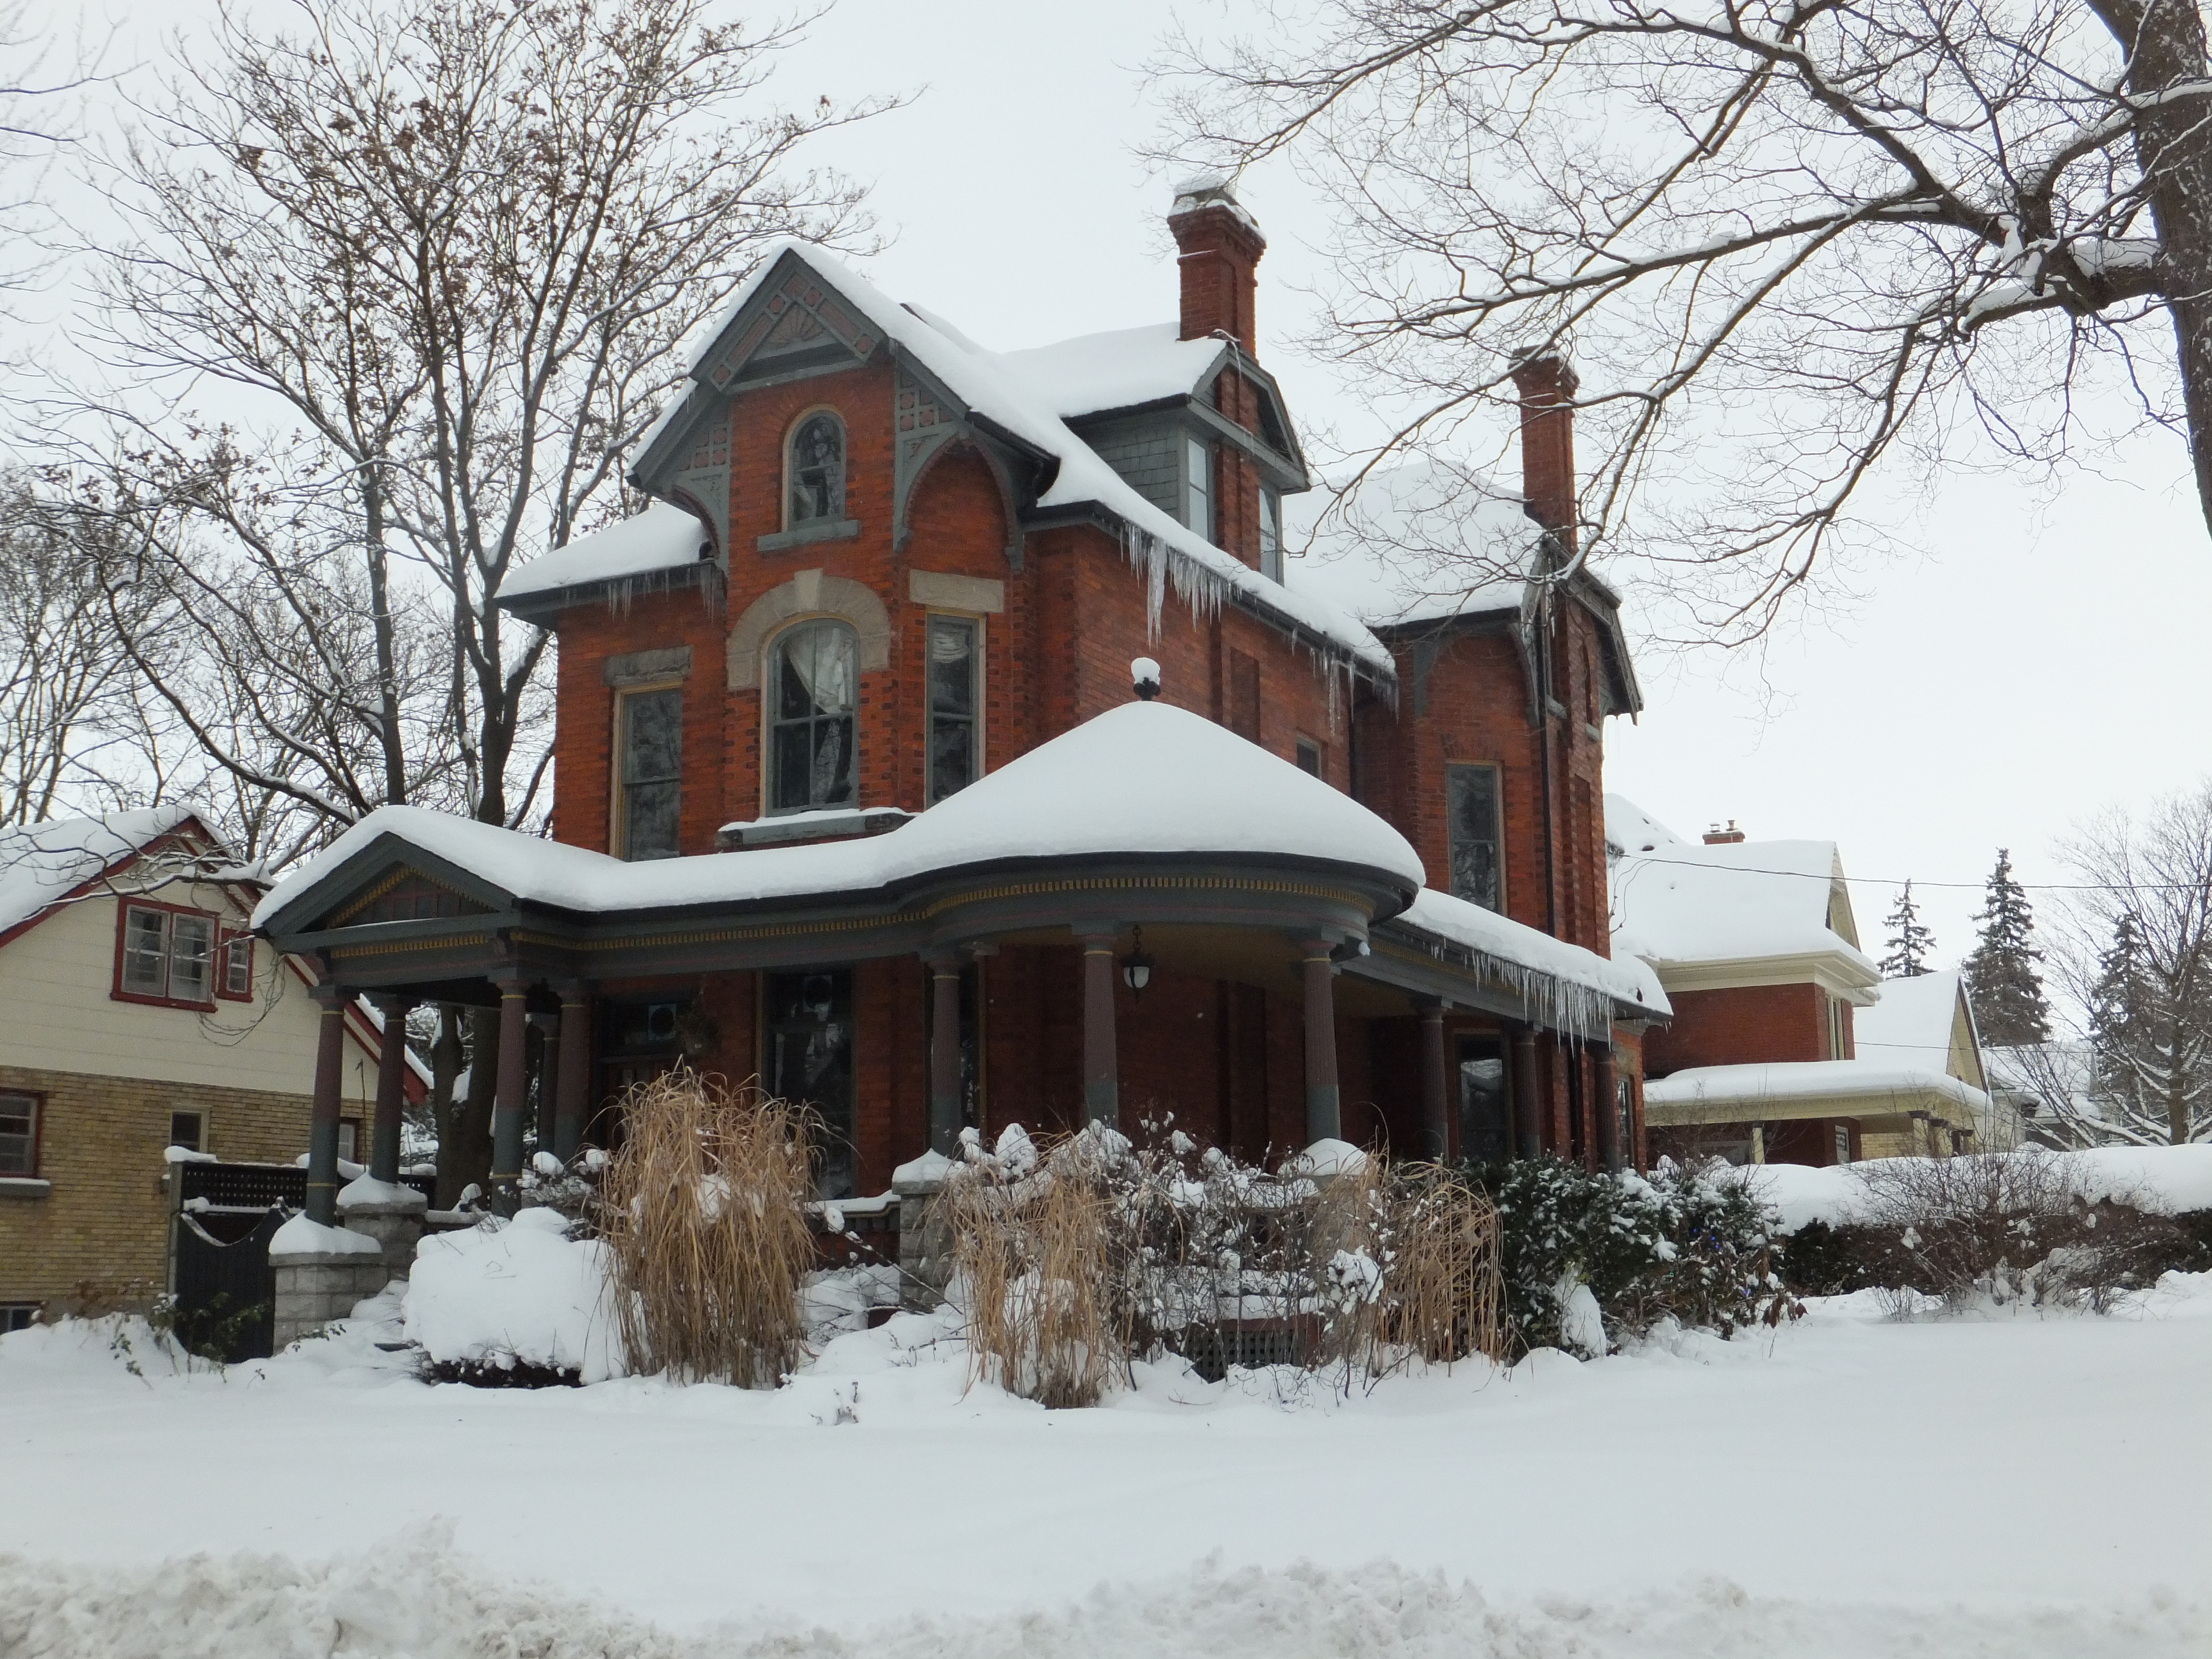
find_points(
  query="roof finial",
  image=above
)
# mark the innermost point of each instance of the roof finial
(1146, 673)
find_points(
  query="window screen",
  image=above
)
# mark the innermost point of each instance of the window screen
(652, 767)
(238, 966)
(818, 469)
(192, 958)
(19, 1134)
(814, 694)
(1198, 486)
(955, 757)
(1477, 868)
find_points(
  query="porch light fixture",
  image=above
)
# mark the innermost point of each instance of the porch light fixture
(1146, 675)
(1137, 967)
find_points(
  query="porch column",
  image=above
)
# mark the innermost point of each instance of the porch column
(1528, 1125)
(571, 1078)
(1436, 1104)
(391, 1088)
(1607, 1090)
(1101, 1082)
(1324, 1113)
(507, 1098)
(944, 1049)
(323, 1122)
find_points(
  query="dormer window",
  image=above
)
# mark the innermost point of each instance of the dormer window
(1270, 535)
(1198, 486)
(816, 468)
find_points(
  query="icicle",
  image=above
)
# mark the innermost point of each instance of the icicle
(1550, 1002)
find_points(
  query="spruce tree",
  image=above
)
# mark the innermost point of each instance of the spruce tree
(2120, 1017)
(2001, 978)
(1910, 943)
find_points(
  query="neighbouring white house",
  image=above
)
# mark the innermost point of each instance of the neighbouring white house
(143, 1015)
(1784, 1047)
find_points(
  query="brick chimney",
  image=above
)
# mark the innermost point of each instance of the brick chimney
(1221, 245)
(1547, 385)
(1718, 836)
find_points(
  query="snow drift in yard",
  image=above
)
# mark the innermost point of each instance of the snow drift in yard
(2165, 1180)
(413, 1597)
(520, 1291)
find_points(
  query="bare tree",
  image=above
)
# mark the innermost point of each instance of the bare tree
(2138, 958)
(447, 250)
(1786, 242)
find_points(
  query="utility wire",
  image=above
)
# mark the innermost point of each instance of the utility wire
(1893, 881)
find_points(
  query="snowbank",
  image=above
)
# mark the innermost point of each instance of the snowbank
(518, 1292)
(2167, 1179)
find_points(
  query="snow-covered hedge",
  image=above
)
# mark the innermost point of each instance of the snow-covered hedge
(507, 1295)
(2161, 1180)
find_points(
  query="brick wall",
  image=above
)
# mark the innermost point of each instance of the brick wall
(100, 1145)
(1740, 1026)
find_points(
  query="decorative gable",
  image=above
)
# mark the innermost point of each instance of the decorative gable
(407, 895)
(800, 323)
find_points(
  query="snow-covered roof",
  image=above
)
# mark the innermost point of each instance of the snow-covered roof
(662, 538)
(1912, 1025)
(1871, 1083)
(1006, 394)
(42, 863)
(1686, 902)
(1418, 543)
(1142, 778)
(1624, 979)
(1118, 369)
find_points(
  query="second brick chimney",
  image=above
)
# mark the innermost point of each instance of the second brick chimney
(1718, 836)
(1220, 245)
(1547, 385)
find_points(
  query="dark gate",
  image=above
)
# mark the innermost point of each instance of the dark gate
(226, 1293)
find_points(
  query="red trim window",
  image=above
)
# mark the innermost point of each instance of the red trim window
(234, 968)
(164, 953)
(19, 1134)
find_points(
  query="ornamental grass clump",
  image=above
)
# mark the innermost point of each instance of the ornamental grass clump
(701, 1207)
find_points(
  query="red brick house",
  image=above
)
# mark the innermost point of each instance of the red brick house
(854, 792)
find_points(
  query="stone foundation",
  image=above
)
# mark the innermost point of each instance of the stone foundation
(314, 1288)
(394, 1220)
(925, 1242)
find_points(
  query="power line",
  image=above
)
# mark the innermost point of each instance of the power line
(1916, 881)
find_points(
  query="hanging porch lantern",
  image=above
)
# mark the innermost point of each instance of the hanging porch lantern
(1137, 966)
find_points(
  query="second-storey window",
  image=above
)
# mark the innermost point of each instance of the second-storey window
(650, 779)
(1198, 486)
(168, 955)
(1478, 873)
(19, 1135)
(236, 967)
(816, 470)
(1270, 535)
(813, 697)
(955, 668)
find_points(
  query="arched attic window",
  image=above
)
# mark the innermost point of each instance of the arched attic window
(813, 697)
(815, 469)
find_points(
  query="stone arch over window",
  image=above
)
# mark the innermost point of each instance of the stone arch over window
(811, 716)
(808, 594)
(814, 470)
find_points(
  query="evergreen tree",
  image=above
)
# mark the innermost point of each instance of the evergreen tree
(2001, 978)
(2120, 1013)
(1910, 943)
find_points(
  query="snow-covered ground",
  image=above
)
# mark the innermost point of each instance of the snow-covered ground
(2015, 1484)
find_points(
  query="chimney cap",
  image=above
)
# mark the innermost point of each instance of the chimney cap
(1211, 190)
(1717, 836)
(1544, 367)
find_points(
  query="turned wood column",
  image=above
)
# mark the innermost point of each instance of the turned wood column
(391, 1088)
(1324, 1107)
(1101, 1082)
(1603, 1086)
(1436, 1093)
(1527, 1122)
(944, 1052)
(573, 1077)
(510, 1097)
(330, 1091)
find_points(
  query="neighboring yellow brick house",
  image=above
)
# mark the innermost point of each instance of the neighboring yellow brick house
(136, 1012)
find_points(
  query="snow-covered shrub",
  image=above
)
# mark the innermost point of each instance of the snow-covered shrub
(514, 1304)
(1074, 1257)
(703, 1209)
(1687, 1244)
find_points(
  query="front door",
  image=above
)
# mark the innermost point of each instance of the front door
(1485, 1109)
(807, 1020)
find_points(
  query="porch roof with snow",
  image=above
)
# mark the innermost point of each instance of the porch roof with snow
(1746, 913)
(1874, 1092)
(1147, 814)
(1017, 403)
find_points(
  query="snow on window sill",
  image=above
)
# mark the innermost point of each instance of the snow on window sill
(828, 530)
(24, 1187)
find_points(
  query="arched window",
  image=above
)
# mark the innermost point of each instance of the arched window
(816, 470)
(814, 682)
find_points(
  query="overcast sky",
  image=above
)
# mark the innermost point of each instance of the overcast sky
(2036, 662)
